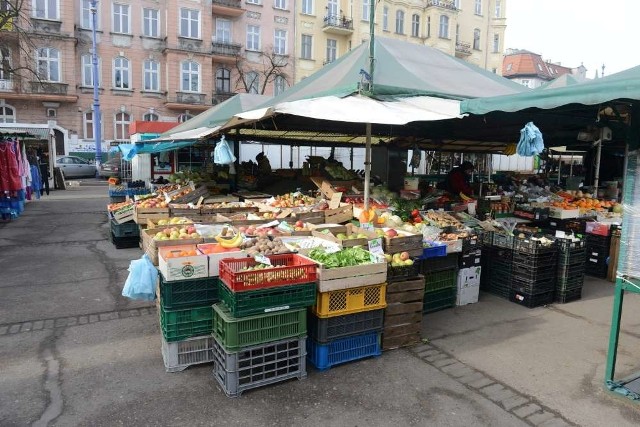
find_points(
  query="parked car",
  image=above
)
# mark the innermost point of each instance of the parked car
(75, 167)
(110, 168)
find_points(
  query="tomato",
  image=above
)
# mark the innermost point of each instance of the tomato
(417, 220)
(415, 213)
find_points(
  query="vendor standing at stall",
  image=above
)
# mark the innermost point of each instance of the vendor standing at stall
(458, 180)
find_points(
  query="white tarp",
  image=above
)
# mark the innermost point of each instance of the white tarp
(186, 135)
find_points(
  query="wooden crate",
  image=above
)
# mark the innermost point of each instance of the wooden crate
(349, 229)
(123, 215)
(312, 217)
(351, 277)
(150, 245)
(404, 242)
(183, 211)
(142, 214)
(344, 213)
(403, 315)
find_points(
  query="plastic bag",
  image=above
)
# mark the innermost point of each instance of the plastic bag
(531, 142)
(222, 154)
(142, 279)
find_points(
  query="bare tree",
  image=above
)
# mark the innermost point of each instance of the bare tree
(255, 76)
(16, 40)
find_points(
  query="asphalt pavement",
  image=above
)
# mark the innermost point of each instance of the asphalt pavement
(74, 352)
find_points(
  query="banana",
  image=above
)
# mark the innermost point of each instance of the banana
(232, 243)
(464, 197)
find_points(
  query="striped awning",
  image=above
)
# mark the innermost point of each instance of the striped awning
(25, 132)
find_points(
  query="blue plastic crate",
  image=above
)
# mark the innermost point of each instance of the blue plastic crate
(434, 251)
(342, 350)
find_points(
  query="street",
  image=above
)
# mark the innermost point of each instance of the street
(74, 352)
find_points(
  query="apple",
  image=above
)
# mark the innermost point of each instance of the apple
(341, 236)
(408, 262)
(391, 233)
(299, 224)
(361, 236)
(404, 256)
(396, 258)
(242, 229)
(388, 257)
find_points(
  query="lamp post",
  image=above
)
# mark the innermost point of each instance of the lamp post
(97, 134)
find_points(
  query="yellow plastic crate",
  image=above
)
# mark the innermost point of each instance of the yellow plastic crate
(349, 301)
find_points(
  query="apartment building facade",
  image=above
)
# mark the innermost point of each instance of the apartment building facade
(531, 70)
(472, 30)
(159, 60)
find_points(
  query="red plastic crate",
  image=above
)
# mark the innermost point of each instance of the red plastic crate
(291, 269)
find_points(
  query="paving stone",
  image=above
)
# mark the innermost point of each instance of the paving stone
(526, 410)
(454, 367)
(104, 316)
(37, 325)
(83, 320)
(513, 402)
(444, 362)
(468, 379)
(421, 347)
(93, 318)
(541, 417)
(483, 382)
(458, 373)
(26, 327)
(428, 353)
(435, 357)
(555, 422)
(72, 321)
(3, 330)
(14, 328)
(144, 311)
(494, 391)
(61, 322)
(48, 324)
(134, 313)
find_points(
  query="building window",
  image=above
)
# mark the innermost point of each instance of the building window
(540, 67)
(279, 85)
(5, 63)
(190, 76)
(151, 75)
(86, 19)
(496, 43)
(150, 117)
(307, 45)
(121, 77)
(428, 26)
(280, 4)
(415, 25)
(151, 22)
(252, 82)
(525, 83)
(444, 27)
(332, 50)
(223, 80)
(307, 7)
(509, 67)
(385, 18)
(122, 121)
(457, 33)
(476, 39)
(87, 70)
(88, 124)
(456, 4)
(48, 60)
(366, 8)
(399, 22)
(45, 9)
(253, 37)
(478, 7)
(190, 23)
(184, 117)
(121, 18)
(223, 31)
(498, 12)
(494, 70)
(280, 42)
(7, 113)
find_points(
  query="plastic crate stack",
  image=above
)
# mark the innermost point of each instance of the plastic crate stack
(184, 308)
(533, 278)
(497, 262)
(124, 235)
(260, 325)
(440, 279)
(598, 247)
(403, 315)
(469, 276)
(347, 319)
(119, 192)
(571, 268)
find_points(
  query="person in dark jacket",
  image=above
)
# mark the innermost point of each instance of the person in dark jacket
(458, 180)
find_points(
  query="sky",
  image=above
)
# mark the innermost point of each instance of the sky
(574, 32)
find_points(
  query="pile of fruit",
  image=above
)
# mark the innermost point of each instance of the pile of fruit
(293, 200)
(175, 233)
(337, 171)
(584, 203)
(180, 254)
(399, 259)
(117, 206)
(442, 220)
(253, 231)
(351, 236)
(167, 188)
(264, 246)
(174, 221)
(152, 202)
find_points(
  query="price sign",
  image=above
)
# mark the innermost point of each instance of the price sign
(269, 224)
(331, 249)
(560, 234)
(367, 226)
(262, 259)
(167, 198)
(375, 246)
(285, 227)
(336, 198)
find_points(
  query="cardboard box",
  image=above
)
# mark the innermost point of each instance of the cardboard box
(182, 268)
(214, 258)
(468, 295)
(555, 212)
(469, 277)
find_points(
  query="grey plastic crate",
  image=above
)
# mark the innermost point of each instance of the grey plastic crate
(179, 355)
(258, 366)
(331, 328)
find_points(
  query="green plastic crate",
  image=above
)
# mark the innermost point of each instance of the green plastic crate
(242, 304)
(188, 293)
(177, 325)
(439, 300)
(126, 229)
(236, 333)
(436, 280)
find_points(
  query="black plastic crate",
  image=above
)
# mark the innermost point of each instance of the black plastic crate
(597, 270)
(126, 229)
(573, 225)
(571, 270)
(569, 295)
(531, 300)
(567, 284)
(569, 245)
(181, 294)
(535, 261)
(431, 265)
(471, 243)
(596, 251)
(439, 300)
(471, 259)
(533, 247)
(571, 258)
(125, 242)
(117, 199)
(595, 239)
(487, 239)
(501, 289)
(405, 272)
(327, 329)
(503, 241)
(533, 287)
(533, 274)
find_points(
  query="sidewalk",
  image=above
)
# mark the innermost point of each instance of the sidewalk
(74, 352)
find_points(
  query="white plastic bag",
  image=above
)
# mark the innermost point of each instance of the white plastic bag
(142, 279)
(222, 154)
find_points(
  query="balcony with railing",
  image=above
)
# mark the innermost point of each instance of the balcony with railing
(335, 24)
(443, 4)
(220, 96)
(225, 51)
(187, 100)
(227, 7)
(463, 49)
(6, 85)
(49, 88)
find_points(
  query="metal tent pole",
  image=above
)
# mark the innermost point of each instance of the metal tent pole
(596, 179)
(367, 166)
(97, 126)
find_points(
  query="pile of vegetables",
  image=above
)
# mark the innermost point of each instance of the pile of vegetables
(344, 258)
